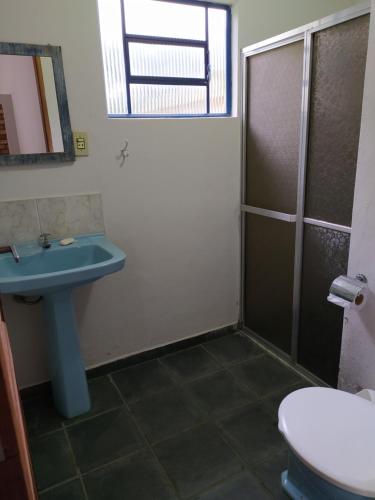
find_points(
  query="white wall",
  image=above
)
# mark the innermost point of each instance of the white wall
(357, 368)
(173, 207)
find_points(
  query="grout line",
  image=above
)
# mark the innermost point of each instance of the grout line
(161, 467)
(260, 463)
(280, 359)
(127, 456)
(68, 424)
(75, 462)
(56, 485)
(33, 437)
(83, 486)
(180, 382)
(217, 484)
(247, 465)
(38, 215)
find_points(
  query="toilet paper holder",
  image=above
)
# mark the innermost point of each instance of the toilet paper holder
(361, 277)
(349, 292)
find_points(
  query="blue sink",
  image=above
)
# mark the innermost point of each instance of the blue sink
(53, 273)
(42, 271)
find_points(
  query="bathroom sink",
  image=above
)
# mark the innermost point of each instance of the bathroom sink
(53, 273)
(42, 271)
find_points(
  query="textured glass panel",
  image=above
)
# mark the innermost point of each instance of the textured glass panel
(273, 127)
(166, 60)
(150, 17)
(168, 99)
(339, 63)
(325, 257)
(217, 21)
(269, 279)
(113, 56)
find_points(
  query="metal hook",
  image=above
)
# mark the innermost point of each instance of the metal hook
(124, 153)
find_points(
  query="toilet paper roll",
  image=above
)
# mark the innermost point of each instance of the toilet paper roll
(348, 292)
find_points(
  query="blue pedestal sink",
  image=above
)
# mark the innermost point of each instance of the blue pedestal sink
(53, 273)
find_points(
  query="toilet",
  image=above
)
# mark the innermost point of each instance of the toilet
(331, 440)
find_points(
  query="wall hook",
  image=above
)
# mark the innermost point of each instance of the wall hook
(124, 154)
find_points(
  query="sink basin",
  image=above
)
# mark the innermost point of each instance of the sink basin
(42, 271)
(53, 273)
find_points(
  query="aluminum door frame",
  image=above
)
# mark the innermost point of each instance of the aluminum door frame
(304, 33)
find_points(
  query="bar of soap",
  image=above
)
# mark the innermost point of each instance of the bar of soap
(66, 241)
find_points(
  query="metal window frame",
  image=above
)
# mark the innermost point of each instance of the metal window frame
(305, 33)
(129, 38)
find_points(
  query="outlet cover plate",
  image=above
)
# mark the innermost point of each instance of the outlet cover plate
(81, 145)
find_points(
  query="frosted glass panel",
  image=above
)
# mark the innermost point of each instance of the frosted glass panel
(217, 20)
(113, 56)
(153, 18)
(339, 64)
(273, 127)
(166, 60)
(325, 257)
(168, 99)
(269, 279)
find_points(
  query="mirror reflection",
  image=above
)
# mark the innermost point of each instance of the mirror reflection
(29, 113)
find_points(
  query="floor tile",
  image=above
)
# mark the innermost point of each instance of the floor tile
(274, 399)
(242, 487)
(218, 393)
(269, 473)
(41, 416)
(104, 396)
(264, 375)
(233, 349)
(196, 459)
(52, 459)
(163, 415)
(253, 433)
(135, 478)
(142, 380)
(67, 491)
(104, 438)
(190, 363)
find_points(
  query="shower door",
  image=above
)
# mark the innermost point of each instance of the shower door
(301, 122)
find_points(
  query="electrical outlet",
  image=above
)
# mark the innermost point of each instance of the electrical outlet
(81, 145)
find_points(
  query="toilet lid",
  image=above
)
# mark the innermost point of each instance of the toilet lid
(333, 433)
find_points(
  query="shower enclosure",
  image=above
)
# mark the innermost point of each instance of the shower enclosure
(302, 105)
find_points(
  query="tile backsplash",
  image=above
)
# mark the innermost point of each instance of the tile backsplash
(18, 221)
(22, 221)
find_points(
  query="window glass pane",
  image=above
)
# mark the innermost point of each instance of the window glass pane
(153, 18)
(325, 256)
(166, 60)
(338, 73)
(168, 100)
(113, 56)
(269, 272)
(217, 25)
(274, 96)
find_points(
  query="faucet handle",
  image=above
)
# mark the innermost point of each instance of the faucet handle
(44, 240)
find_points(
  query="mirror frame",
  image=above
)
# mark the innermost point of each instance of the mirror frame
(24, 49)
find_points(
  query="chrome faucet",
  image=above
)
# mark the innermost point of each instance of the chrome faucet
(13, 250)
(43, 240)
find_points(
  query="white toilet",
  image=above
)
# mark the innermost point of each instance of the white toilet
(331, 437)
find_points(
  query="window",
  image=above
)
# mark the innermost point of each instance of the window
(166, 57)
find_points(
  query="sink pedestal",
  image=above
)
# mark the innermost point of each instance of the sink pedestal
(67, 371)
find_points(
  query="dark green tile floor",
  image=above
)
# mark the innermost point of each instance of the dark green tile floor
(198, 424)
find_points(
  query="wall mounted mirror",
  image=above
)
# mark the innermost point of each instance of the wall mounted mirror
(34, 115)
